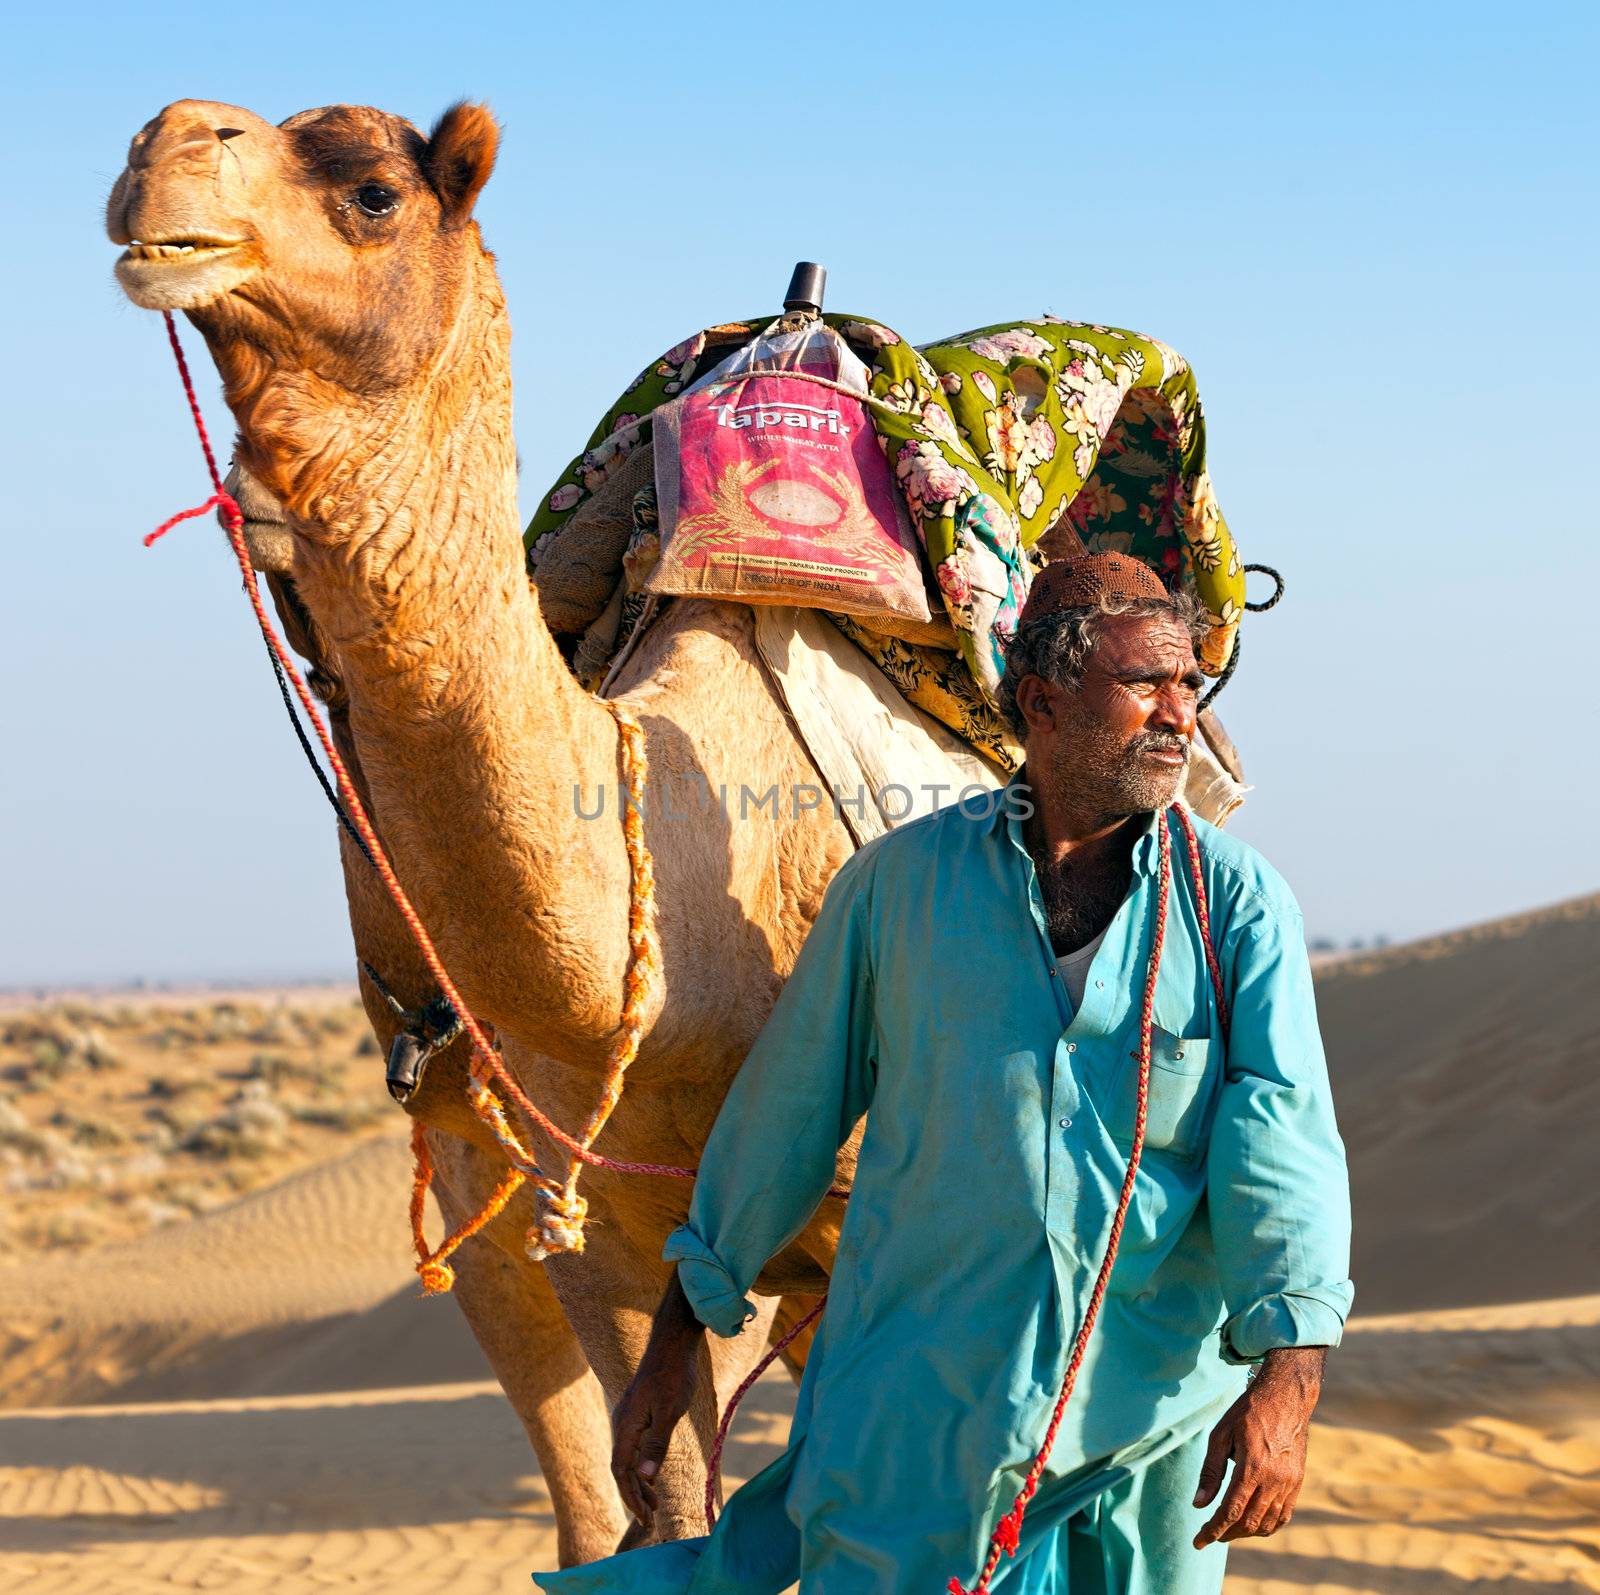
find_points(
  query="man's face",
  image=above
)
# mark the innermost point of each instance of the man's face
(1120, 742)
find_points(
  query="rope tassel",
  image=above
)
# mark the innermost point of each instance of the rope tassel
(433, 1267)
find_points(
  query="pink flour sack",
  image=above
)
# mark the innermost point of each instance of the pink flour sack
(772, 489)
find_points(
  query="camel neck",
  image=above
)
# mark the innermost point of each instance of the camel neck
(409, 548)
(470, 730)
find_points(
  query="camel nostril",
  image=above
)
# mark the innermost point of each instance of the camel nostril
(225, 133)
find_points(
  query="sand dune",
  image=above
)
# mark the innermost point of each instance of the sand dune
(277, 1409)
(1466, 1072)
(290, 1289)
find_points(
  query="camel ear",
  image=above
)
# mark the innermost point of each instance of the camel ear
(459, 158)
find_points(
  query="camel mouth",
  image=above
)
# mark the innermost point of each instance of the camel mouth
(180, 248)
(183, 273)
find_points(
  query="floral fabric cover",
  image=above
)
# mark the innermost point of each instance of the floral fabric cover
(997, 437)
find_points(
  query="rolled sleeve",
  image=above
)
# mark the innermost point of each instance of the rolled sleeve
(1289, 1318)
(717, 1301)
(1277, 1185)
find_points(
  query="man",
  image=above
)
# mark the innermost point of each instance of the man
(974, 984)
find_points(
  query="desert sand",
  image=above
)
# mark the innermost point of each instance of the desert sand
(248, 1394)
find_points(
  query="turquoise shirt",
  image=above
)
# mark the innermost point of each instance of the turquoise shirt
(996, 1144)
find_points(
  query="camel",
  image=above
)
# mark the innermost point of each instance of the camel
(334, 269)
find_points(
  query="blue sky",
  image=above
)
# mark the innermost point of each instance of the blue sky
(1372, 229)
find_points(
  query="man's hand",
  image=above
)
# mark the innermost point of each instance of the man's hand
(642, 1425)
(1264, 1433)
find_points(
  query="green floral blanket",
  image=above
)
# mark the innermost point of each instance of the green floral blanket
(1003, 441)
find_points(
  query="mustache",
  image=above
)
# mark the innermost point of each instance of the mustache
(1159, 742)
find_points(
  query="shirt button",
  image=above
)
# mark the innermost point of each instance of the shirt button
(1072, 1046)
(1066, 1124)
(1099, 985)
(1177, 1052)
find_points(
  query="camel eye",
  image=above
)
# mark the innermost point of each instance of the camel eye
(376, 199)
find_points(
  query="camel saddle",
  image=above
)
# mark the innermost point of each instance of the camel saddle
(1012, 444)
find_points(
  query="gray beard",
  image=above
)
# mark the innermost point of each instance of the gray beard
(1121, 782)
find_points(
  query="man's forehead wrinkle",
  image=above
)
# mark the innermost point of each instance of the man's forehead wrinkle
(1125, 650)
(1152, 664)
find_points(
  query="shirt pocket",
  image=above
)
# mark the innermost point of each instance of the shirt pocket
(1183, 1089)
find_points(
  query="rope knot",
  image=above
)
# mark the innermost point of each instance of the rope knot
(231, 515)
(437, 1278)
(1008, 1531)
(560, 1226)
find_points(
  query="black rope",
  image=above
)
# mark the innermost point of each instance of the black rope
(1222, 680)
(435, 1022)
(1266, 604)
(312, 759)
(1233, 658)
(434, 1025)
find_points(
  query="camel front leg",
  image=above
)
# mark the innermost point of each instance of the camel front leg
(610, 1293)
(516, 1318)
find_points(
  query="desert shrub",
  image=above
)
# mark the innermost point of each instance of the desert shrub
(275, 1068)
(82, 1130)
(339, 1115)
(49, 1059)
(275, 1030)
(252, 1125)
(178, 1119)
(169, 1087)
(98, 1053)
(143, 1167)
(327, 1077)
(188, 1194)
(25, 1030)
(59, 1169)
(153, 1213)
(69, 1227)
(18, 1135)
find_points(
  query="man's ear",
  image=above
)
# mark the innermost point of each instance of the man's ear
(459, 158)
(1033, 699)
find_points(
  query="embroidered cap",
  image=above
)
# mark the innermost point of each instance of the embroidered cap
(1082, 580)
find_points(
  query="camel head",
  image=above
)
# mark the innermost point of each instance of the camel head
(327, 260)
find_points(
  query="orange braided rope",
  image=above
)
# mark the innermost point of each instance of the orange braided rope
(561, 1223)
(433, 1266)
